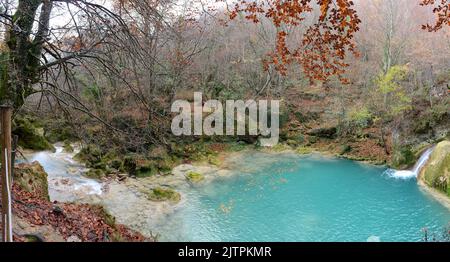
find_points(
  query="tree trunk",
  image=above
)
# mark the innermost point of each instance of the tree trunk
(6, 179)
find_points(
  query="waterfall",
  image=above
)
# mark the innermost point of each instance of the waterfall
(414, 172)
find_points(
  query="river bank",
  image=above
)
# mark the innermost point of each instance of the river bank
(131, 201)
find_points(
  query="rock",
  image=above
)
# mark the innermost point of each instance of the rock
(36, 233)
(436, 173)
(29, 135)
(122, 177)
(34, 238)
(32, 178)
(73, 238)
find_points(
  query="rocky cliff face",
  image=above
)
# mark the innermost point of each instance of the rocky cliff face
(436, 172)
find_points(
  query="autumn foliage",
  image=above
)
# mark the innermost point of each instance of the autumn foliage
(442, 11)
(327, 42)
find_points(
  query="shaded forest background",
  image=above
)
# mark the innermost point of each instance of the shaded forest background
(122, 72)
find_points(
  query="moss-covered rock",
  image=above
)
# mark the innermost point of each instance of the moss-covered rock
(436, 172)
(163, 194)
(303, 150)
(403, 158)
(139, 166)
(32, 178)
(194, 177)
(90, 155)
(29, 135)
(95, 173)
(145, 168)
(67, 147)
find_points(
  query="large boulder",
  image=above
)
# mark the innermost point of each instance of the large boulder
(436, 172)
(32, 178)
(30, 137)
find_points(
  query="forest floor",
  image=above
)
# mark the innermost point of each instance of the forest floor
(38, 219)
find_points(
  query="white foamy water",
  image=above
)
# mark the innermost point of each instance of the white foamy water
(414, 172)
(65, 179)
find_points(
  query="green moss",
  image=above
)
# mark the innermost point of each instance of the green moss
(303, 150)
(214, 160)
(195, 177)
(90, 155)
(67, 147)
(145, 168)
(32, 178)
(163, 194)
(29, 135)
(95, 173)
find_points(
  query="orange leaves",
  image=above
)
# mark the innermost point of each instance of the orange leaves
(324, 46)
(442, 10)
(324, 6)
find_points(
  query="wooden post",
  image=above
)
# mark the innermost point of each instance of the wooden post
(6, 113)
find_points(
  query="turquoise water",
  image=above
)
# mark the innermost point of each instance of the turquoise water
(293, 198)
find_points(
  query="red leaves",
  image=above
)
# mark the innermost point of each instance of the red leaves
(325, 44)
(442, 11)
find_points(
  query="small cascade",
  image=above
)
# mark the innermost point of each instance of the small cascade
(66, 182)
(414, 172)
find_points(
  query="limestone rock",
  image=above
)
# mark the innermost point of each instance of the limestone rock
(32, 178)
(436, 172)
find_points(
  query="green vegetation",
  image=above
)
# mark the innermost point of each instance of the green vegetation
(395, 97)
(59, 130)
(95, 173)
(303, 150)
(163, 194)
(29, 135)
(67, 147)
(437, 171)
(195, 177)
(403, 158)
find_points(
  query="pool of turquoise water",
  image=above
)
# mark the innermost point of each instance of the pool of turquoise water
(286, 197)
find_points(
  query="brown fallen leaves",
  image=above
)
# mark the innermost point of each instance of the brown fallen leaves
(88, 222)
